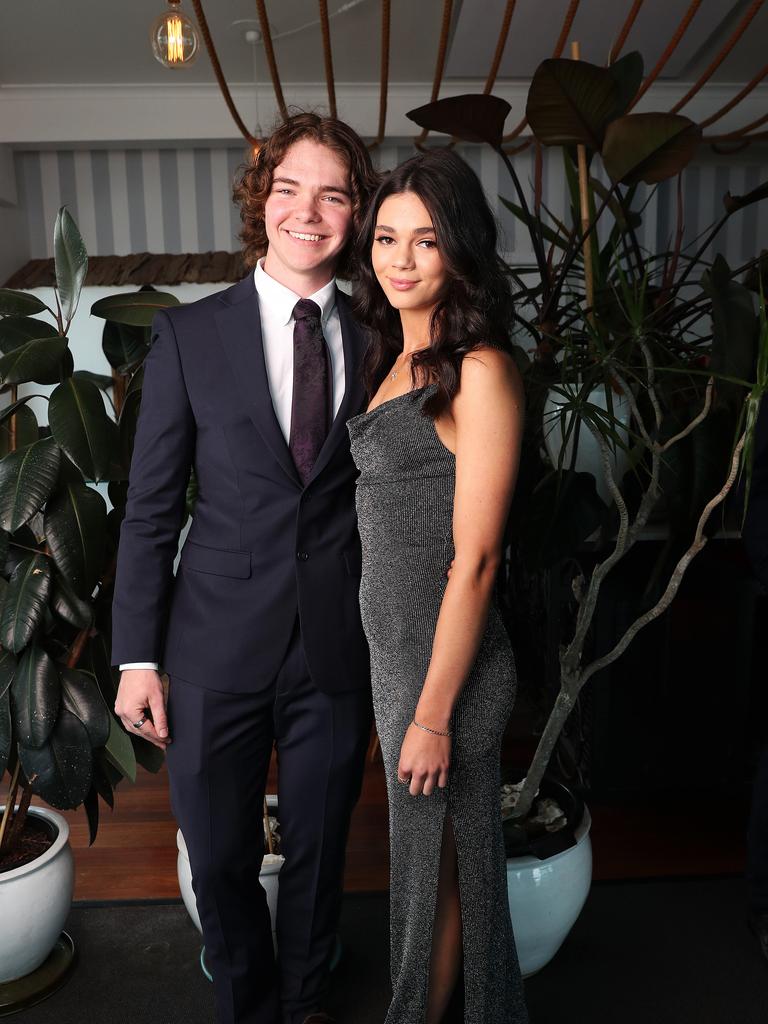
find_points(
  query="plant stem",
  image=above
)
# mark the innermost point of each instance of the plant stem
(20, 816)
(12, 424)
(10, 803)
(73, 655)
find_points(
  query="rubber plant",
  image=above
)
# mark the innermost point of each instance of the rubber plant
(676, 337)
(59, 738)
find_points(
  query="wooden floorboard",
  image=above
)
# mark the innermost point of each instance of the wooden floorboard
(134, 856)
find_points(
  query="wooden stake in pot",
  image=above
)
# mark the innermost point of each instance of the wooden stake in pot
(589, 285)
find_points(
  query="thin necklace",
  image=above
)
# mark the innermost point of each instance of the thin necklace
(394, 373)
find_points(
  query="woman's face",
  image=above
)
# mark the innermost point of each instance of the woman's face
(405, 256)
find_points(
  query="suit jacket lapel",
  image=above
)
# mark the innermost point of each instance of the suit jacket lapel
(354, 391)
(239, 325)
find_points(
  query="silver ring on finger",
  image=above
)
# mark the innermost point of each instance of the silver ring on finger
(141, 721)
(404, 782)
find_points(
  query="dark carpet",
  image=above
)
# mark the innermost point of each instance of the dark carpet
(670, 952)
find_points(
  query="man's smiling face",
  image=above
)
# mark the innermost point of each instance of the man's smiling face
(308, 216)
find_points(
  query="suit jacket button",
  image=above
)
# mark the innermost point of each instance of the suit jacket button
(302, 556)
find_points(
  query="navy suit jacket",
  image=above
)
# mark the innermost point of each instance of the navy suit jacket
(261, 546)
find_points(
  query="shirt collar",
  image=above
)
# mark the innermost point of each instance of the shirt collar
(281, 300)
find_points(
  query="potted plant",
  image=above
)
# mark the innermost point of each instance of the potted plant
(59, 739)
(660, 359)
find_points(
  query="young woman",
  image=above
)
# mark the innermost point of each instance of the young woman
(438, 454)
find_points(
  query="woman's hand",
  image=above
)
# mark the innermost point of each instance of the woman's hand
(424, 760)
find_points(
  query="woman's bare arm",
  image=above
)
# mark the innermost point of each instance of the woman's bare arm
(488, 421)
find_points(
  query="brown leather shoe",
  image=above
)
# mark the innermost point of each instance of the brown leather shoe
(319, 1018)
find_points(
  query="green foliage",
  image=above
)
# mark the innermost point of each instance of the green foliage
(57, 543)
(134, 309)
(71, 262)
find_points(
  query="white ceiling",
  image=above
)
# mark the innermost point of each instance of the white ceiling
(81, 72)
(107, 41)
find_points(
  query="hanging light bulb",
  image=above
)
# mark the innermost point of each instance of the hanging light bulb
(174, 38)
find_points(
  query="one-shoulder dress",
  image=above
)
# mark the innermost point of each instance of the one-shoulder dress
(405, 494)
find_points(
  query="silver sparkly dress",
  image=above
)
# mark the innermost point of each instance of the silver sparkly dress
(405, 512)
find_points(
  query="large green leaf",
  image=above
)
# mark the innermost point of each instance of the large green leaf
(18, 330)
(71, 262)
(472, 117)
(8, 662)
(570, 102)
(35, 696)
(150, 757)
(101, 780)
(7, 669)
(137, 308)
(42, 360)
(101, 380)
(75, 531)
(649, 147)
(735, 329)
(124, 345)
(25, 601)
(19, 544)
(61, 770)
(79, 423)
(91, 805)
(13, 303)
(81, 695)
(627, 72)
(68, 606)
(13, 408)
(6, 727)
(119, 751)
(129, 418)
(107, 675)
(27, 430)
(27, 478)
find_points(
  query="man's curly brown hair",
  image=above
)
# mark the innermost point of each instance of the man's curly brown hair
(253, 186)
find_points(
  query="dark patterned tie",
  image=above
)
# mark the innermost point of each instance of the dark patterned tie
(310, 411)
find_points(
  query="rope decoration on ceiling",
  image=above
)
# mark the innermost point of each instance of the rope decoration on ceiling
(740, 136)
(442, 49)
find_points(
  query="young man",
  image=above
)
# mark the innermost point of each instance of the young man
(260, 630)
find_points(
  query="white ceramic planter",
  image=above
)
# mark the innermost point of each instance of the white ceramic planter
(546, 897)
(270, 869)
(588, 458)
(34, 902)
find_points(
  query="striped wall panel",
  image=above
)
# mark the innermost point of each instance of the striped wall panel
(165, 200)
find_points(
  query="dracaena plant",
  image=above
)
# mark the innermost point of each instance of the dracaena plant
(59, 738)
(675, 339)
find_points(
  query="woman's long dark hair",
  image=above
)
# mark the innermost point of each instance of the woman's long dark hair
(476, 309)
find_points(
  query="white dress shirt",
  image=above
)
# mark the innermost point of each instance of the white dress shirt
(276, 304)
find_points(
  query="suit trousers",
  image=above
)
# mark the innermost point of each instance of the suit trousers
(218, 763)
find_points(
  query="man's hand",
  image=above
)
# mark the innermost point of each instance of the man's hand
(141, 694)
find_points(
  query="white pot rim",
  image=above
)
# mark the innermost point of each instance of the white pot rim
(528, 860)
(61, 840)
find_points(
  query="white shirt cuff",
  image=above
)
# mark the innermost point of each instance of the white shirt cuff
(140, 664)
